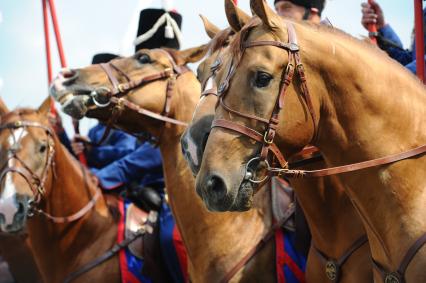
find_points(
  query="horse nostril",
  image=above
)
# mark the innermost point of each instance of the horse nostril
(216, 187)
(69, 75)
(21, 208)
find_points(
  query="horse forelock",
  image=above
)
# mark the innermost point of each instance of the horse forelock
(220, 40)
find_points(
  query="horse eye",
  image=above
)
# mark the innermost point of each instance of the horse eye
(43, 148)
(262, 79)
(144, 59)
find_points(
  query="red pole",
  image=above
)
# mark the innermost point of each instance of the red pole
(372, 29)
(81, 157)
(420, 62)
(57, 33)
(47, 42)
(48, 57)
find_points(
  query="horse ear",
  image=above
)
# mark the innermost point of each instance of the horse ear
(237, 18)
(3, 108)
(261, 9)
(190, 55)
(210, 28)
(44, 108)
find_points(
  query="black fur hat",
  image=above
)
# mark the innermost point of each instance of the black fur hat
(103, 58)
(309, 4)
(147, 19)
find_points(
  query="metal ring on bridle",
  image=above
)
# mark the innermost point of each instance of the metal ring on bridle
(247, 171)
(94, 95)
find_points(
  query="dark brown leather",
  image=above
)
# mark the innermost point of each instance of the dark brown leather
(399, 275)
(250, 133)
(333, 267)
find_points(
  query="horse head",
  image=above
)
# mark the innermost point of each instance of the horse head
(195, 136)
(152, 80)
(27, 151)
(259, 69)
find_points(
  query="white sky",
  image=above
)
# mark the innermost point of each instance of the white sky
(92, 26)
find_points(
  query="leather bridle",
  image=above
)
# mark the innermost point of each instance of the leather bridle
(115, 95)
(34, 181)
(267, 140)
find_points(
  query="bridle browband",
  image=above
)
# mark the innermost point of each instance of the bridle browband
(267, 139)
(119, 90)
(35, 182)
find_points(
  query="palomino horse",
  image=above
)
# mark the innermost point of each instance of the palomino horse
(215, 243)
(338, 236)
(15, 250)
(350, 117)
(39, 171)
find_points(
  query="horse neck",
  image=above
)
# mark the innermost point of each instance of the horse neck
(208, 237)
(62, 248)
(371, 107)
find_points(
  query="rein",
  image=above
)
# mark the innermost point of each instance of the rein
(36, 183)
(119, 90)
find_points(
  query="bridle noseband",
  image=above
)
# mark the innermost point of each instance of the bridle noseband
(35, 182)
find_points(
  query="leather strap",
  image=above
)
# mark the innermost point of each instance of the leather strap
(146, 112)
(400, 273)
(338, 263)
(227, 124)
(351, 167)
(106, 256)
(259, 245)
(73, 217)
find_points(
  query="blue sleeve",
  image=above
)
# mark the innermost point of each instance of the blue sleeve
(402, 56)
(120, 144)
(63, 138)
(144, 163)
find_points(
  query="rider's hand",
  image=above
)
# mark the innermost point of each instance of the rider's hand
(79, 144)
(372, 14)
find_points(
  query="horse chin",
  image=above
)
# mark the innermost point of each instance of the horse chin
(18, 227)
(239, 200)
(76, 106)
(244, 198)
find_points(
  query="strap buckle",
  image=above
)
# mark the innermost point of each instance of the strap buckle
(265, 138)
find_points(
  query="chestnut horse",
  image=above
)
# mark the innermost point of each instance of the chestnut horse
(335, 236)
(15, 249)
(350, 117)
(215, 243)
(41, 172)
